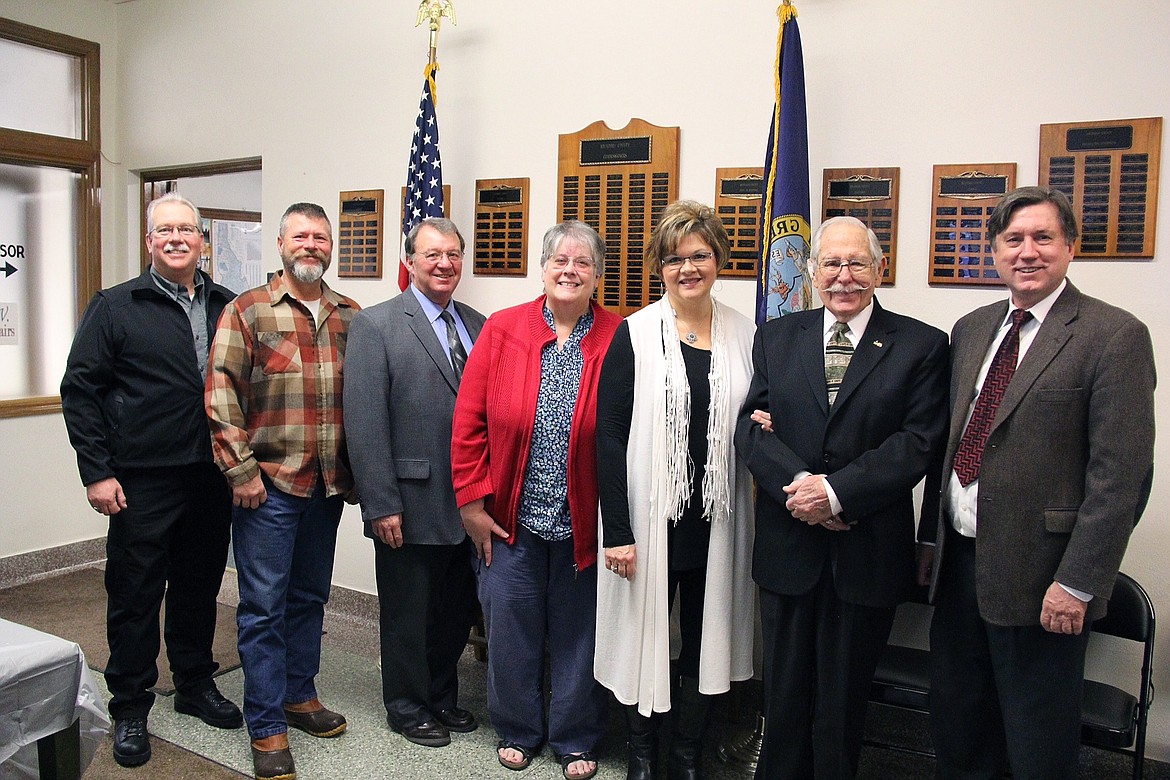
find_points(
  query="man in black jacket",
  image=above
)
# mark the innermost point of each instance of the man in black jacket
(133, 403)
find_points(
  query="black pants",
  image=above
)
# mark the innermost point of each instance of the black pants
(1000, 694)
(819, 656)
(426, 599)
(172, 537)
(690, 585)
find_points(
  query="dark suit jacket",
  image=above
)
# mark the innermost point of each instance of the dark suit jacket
(884, 432)
(399, 400)
(1068, 464)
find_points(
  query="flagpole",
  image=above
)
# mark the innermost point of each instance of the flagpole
(424, 182)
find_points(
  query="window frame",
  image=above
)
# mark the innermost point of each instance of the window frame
(82, 156)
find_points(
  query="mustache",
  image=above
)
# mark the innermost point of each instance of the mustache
(839, 287)
(182, 246)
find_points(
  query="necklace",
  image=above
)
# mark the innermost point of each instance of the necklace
(691, 337)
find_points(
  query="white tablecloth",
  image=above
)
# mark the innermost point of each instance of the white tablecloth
(44, 686)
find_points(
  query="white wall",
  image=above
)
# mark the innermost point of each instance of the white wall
(328, 100)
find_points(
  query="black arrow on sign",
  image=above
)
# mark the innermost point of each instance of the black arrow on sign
(9, 270)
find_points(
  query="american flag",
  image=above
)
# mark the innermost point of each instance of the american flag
(424, 176)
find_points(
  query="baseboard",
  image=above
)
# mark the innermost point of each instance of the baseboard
(25, 567)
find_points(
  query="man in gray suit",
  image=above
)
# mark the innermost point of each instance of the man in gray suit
(403, 363)
(1047, 471)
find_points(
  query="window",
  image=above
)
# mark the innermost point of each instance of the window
(50, 239)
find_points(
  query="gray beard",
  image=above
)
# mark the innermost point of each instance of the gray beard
(308, 273)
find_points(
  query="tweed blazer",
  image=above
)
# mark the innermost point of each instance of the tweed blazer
(1068, 464)
(399, 401)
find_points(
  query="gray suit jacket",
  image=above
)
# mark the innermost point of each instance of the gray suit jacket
(1067, 469)
(399, 400)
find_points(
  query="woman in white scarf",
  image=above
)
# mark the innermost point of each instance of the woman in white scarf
(675, 500)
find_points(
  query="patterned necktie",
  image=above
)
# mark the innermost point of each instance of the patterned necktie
(458, 353)
(1003, 365)
(838, 353)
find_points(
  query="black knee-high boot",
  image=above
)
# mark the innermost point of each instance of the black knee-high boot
(691, 710)
(643, 744)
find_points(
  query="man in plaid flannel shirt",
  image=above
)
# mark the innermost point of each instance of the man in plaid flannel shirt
(274, 392)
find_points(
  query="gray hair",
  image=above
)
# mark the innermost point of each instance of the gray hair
(583, 234)
(308, 210)
(814, 258)
(444, 226)
(171, 197)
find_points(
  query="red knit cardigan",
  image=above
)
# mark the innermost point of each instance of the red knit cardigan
(496, 409)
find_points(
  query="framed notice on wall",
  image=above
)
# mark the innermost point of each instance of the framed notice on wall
(739, 199)
(964, 197)
(501, 227)
(619, 181)
(1109, 170)
(870, 195)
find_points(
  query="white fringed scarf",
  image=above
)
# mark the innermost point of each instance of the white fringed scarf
(674, 459)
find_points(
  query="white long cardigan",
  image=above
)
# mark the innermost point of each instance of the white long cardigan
(633, 626)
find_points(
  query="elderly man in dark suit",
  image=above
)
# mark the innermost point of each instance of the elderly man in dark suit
(857, 403)
(1046, 472)
(404, 361)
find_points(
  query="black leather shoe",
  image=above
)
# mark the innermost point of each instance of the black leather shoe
(429, 734)
(131, 742)
(458, 720)
(210, 707)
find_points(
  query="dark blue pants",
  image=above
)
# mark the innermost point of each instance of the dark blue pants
(173, 537)
(532, 591)
(284, 560)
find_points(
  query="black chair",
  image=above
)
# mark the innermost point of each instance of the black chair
(1111, 718)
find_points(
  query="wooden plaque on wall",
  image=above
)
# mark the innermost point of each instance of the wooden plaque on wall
(360, 234)
(870, 195)
(964, 197)
(739, 199)
(1109, 170)
(501, 227)
(619, 181)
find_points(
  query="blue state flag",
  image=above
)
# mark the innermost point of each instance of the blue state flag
(783, 285)
(424, 175)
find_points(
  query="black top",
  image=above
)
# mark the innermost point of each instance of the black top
(615, 404)
(132, 395)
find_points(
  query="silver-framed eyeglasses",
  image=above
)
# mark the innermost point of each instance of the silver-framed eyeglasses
(833, 266)
(698, 258)
(561, 262)
(166, 231)
(453, 255)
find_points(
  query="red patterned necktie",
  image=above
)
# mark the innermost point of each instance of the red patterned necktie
(970, 452)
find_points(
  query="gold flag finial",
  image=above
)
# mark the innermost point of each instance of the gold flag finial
(433, 11)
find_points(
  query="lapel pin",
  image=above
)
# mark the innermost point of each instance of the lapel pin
(877, 344)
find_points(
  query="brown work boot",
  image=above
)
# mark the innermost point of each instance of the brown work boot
(312, 718)
(272, 759)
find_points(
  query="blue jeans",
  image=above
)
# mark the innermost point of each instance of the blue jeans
(284, 561)
(531, 591)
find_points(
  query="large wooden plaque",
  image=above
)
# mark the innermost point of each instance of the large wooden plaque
(739, 199)
(360, 234)
(501, 227)
(1109, 170)
(870, 195)
(619, 181)
(964, 197)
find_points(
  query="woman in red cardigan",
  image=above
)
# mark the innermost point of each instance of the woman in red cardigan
(523, 462)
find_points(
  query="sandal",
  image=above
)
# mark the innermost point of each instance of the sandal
(515, 766)
(569, 758)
